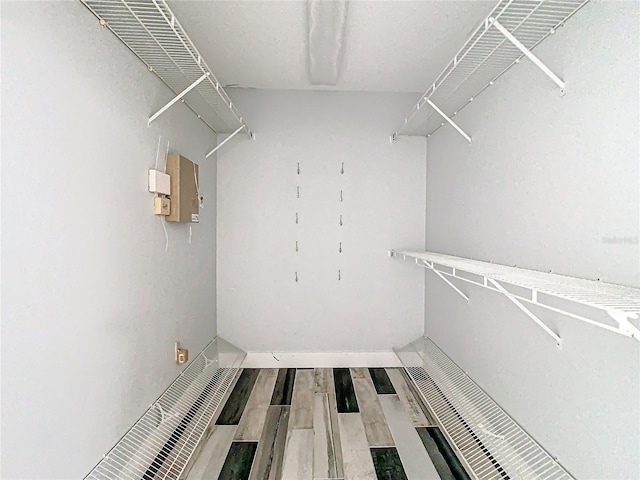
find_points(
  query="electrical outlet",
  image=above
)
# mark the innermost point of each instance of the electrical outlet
(182, 354)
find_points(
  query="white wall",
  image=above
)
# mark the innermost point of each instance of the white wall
(379, 301)
(91, 302)
(546, 181)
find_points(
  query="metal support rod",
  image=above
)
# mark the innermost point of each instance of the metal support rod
(561, 311)
(177, 98)
(527, 53)
(526, 311)
(434, 270)
(224, 141)
(451, 122)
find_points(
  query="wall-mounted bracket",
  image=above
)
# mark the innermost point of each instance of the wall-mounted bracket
(238, 130)
(451, 122)
(486, 431)
(419, 105)
(526, 52)
(208, 361)
(177, 98)
(625, 327)
(430, 266)
(621, 303)
(164, 415)
(526, 311)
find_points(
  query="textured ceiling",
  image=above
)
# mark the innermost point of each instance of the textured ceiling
(392, 46)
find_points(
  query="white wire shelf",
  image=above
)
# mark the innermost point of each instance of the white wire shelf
(485, 57)
(621, 303)
(151, 31)
(162, 442)
(490, 444)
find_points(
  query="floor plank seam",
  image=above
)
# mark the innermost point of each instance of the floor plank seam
(324, 424)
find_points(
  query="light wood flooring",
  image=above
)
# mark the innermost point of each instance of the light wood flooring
(324, 423)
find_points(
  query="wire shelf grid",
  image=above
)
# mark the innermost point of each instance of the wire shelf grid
(485, 57)
(152, 32)
(161, 443)
(490, 443)
(621, 303)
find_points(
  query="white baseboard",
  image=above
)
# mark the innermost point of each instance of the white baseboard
(320, 360)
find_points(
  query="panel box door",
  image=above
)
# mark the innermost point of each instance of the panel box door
(184, 189)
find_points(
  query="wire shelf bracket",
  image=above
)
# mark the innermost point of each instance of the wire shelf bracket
(527, 53)
(217, 147)
(443, 115)
(152, 32)
(516, 302)
(621, 303)
(177, 98)
(430, 266)
(526, 311)
(451, 122)
(509, 33)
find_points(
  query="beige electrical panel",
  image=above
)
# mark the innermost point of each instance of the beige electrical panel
(184, 190)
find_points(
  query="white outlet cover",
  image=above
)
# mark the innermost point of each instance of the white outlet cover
(159, 182)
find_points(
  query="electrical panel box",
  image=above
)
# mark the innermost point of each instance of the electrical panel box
(185, 203)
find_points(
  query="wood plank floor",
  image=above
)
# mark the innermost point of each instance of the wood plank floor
(322, 424)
